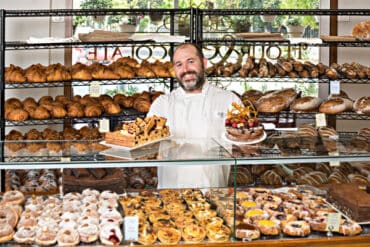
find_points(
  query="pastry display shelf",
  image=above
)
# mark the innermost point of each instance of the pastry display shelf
(126, 115)
(91, 12)
(312, 115)
(137, 80)
(334, 12)
(235, 78)
(74, 158)
(231, 40)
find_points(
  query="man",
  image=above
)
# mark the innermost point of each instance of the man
(196, 110)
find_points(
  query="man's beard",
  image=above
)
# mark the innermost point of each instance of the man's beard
(196, 84)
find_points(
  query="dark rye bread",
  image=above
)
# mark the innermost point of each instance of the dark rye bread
(351, 200)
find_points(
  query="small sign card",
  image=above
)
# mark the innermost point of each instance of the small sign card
(320, 120)
(95, 89)
(334, 87)
(334, 163)
(333, 222)
(104, 125)
(131, 228)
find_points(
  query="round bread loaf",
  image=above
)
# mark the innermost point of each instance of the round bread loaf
(362, 105)
(361, 30)
(276, 101)
(333, 106)
(306, 104)
(252, 96)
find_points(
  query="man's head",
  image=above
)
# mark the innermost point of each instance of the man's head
(189, 64)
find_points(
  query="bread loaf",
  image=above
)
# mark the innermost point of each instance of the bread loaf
(270, 177)
(362, 105)
(306, 104)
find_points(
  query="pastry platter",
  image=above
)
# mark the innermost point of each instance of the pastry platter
(137, 146)
(255, 141)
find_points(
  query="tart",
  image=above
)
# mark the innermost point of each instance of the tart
(147, 235)
(169, 235)
(218, 233)
(193, 233)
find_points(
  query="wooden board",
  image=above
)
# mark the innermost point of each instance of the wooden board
(264, 36)
(327, 38)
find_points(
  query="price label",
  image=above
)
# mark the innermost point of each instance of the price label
(65, 159)
(334, 87)
(95, 89)
(334, 163)
(131, 228)
(104, 125)
(320, 120)
(333, 222)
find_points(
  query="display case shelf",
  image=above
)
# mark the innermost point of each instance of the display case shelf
(136, 81)
(238, 79)
(312, 115)
(334, 12)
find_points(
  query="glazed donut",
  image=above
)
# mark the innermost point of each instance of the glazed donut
(110, 234)
(169, 235)
(89, 232)
(268, 227)
(6, 232)
(349, 228)
(193, 233)
(25, 235)
(247, 231)
(13, 196)
(297, 228)
(68, 237)
(8, 216)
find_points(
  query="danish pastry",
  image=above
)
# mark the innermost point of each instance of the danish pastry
(297, 228)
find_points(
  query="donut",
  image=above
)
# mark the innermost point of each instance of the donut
(108, 202)
(68, 237)
(110, 234)
(45, 236)
(88, 219)
(111, 214)
(349, 228)
(27, 221)
(25, 235)
(72, 196)
(108, 195)
(13, 196)
(90, 192)
(89, 232)
(193, 233)
(169, 235)
(268, 227)
(67, 224)
(6, 232)
(8, 216)
(247, 231)
(297, 228)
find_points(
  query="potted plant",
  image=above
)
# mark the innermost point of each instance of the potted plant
(269, 4)
(128, 23)
(296, 24)
(97, 4)
(241, 23)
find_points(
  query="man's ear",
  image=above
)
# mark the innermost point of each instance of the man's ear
(205, 60)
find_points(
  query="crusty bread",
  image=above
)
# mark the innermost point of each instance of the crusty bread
(333, 106)
(306, 104)
(362, 105)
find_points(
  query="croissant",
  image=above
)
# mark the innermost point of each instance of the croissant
(57, 72)
(35, 73)
(62, 99)
(40, 113)
(87, 99)
(82, 74)
(34, 134)
(45, 99)
(145, 71)
(112, 108)
(14, 102)
(29, 101)
(14, 74)
(14, 135)
(17, 114)
(87, 133)
(47, 105)
(93, 110)
(128, 61)
(142, 105)
(75, 110)
(58, 111)
(128, 102)
(118, 98)
(160, 70)
(104, 73)
(155, 95)
(124, 71)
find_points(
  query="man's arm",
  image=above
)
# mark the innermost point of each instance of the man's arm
(158, 107)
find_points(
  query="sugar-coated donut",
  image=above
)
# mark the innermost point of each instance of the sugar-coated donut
(25, 235)
(68, 237)
(13, 196)
(89, 232)
(110, 234)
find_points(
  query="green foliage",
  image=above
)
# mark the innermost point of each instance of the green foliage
(96, 4)
(302, 4)
(130, 90)
(307, 89)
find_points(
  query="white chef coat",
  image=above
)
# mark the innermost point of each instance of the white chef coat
(194, 116)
